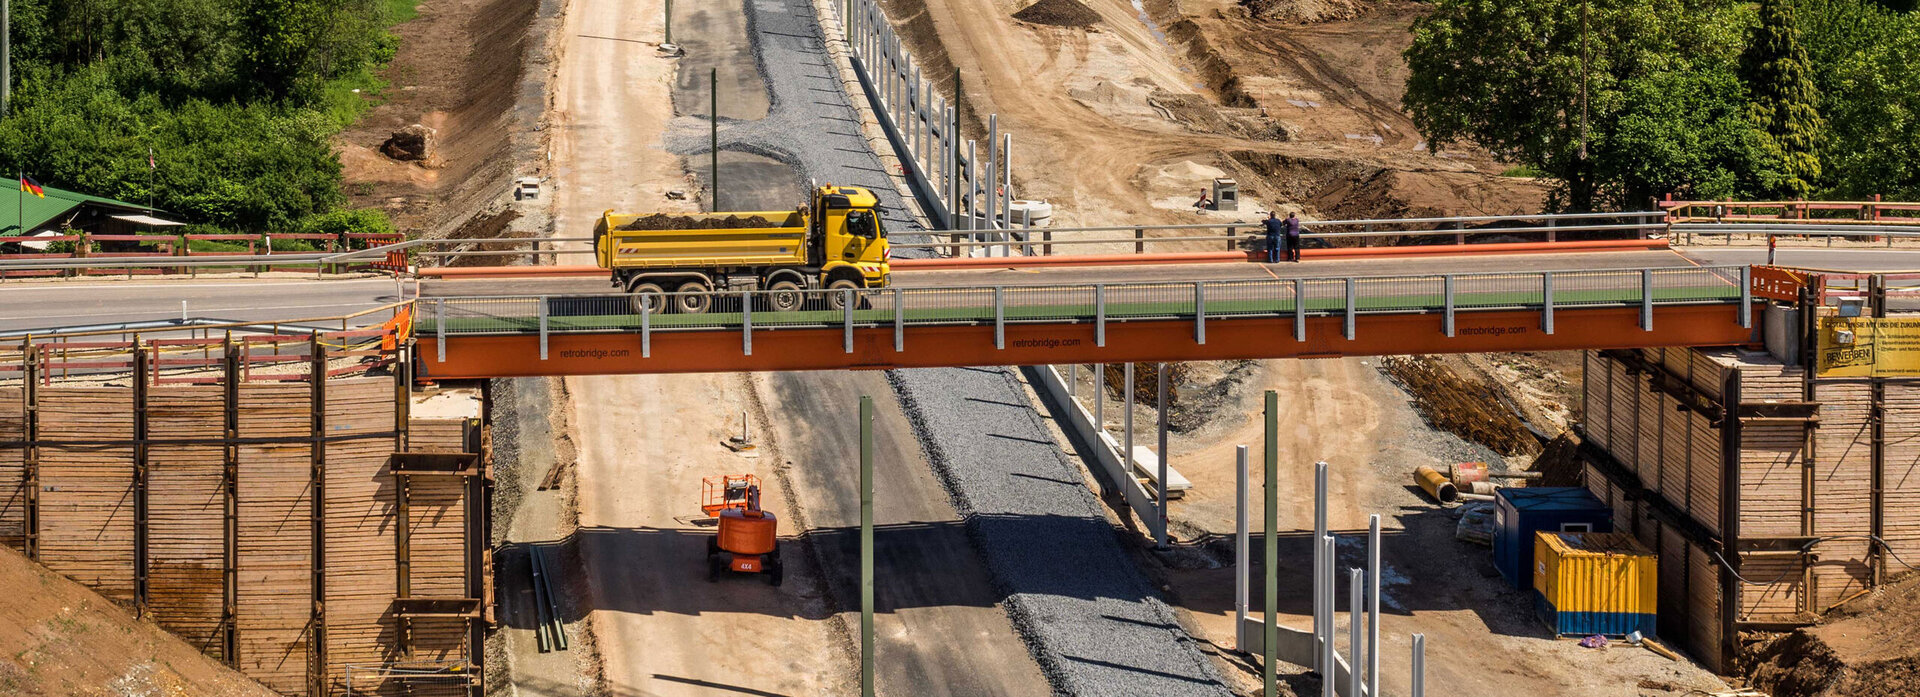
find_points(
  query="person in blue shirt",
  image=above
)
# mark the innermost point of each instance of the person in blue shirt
(1276, 228)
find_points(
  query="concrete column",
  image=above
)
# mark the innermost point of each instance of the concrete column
(1006, 181)
(971, 187)
(992, 171)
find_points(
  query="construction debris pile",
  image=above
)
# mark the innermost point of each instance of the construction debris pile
(1469, 409)
(1059, 13)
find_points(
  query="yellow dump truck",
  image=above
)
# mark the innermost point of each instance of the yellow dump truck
(836, 241)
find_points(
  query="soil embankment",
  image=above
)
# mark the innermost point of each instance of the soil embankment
(1867, 648)
(458, 71)
(59, 638)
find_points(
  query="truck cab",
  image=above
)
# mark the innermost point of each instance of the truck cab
(849, 236)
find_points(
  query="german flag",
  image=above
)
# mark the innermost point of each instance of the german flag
(28, 185)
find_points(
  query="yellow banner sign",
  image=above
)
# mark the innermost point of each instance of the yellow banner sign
(1867, 347)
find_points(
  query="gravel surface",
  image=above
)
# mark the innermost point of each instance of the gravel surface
(1090, 617)
(812, 125)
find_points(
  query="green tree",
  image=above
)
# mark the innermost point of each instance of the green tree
(1782, 98)
(1661, 93)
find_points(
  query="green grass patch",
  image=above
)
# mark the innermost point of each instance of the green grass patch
(399, 11)
(1520, 171)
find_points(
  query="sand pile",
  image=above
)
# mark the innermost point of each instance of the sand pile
(1059, 13)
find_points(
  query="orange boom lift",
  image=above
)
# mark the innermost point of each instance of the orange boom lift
(746, 541)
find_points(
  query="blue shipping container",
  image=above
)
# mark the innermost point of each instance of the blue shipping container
(1519, 513)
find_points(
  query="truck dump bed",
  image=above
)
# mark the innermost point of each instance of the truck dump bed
(703, 240)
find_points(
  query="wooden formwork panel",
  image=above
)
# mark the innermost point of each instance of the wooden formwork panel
(362, 629)
(1772, 462)
(1649, 409)
(13, 470)
(1844, 465)
(1623, 412)
(1703, 597)
(1900, 476)
(1593, 397)
(441, 640)
(275, 565)
(1676, 453)
(1674, 601)
(186, 511)
(437, 435)
(86, 491)
(1707, 374)
(275, 539)
(437, 526)
(1704, 479)
(1777, 591)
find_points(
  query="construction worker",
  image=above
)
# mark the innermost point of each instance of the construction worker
(1276, 230)
(1293, 236)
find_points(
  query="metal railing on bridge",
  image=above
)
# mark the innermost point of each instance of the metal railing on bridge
(1098, 304)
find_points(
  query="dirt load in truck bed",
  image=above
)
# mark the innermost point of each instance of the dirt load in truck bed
(662, 221)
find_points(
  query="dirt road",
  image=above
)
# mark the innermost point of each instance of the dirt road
(932, 592)
(645, 444)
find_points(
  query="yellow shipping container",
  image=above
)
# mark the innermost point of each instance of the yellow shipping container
(1595, 583)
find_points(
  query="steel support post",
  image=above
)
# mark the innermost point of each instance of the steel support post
(1160, 494)
(1006, 183)
(866, 546)
(992, 171)
(971, 190)
(1299, 310)
(1271, 553)
(1352, 309)
(1200, 312)
(1646, 300)
(1100, 396)
(1073, 381)
(646, 329)
(999, 318)
(1328, 672)
(846, 319)
(1546, 302)
(1099, 315)
(1446, 284)
(1242, 571)
(746, 323)
(440, 328)
(1321, 562)
(1356, 611)
(543, 326)
(1746, 296)
(1126, 423)
(1419, 683)
(1373, 606)
(899, 321)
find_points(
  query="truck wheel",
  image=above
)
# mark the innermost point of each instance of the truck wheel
(836, 298)
(692, 298)
(784, 296)
(647, 297)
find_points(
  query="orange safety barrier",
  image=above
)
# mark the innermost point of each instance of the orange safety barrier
(719, 351)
